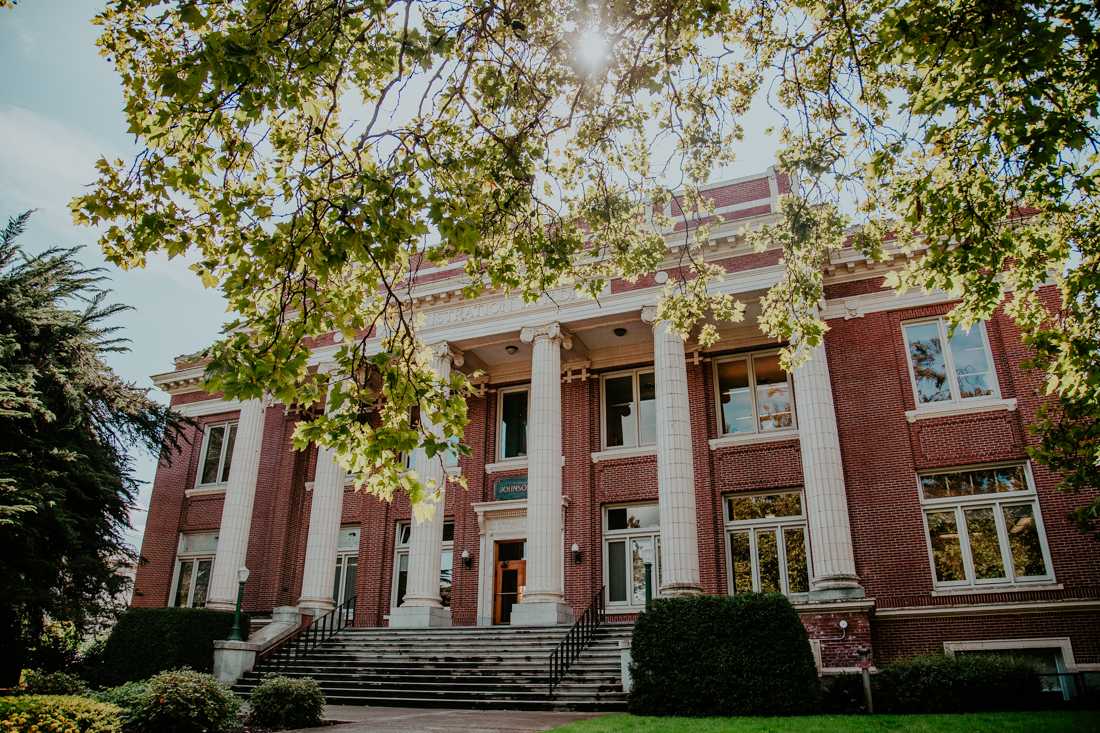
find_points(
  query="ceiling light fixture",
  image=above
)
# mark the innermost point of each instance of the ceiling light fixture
(511, 349)
(620, 332)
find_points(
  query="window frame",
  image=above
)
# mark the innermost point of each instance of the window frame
(949, 366)
(400, 549)
(778, 526)
(342, 556)
(196, 557)
(634, 373)
(994, 501)
(748, 357)
(626, 535)
(500, 420)
(206, 430)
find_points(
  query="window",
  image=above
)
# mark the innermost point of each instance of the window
(631, 538)
(630, 409)
(347, 565)
(754, 394)
(217, 453)
(194, 560)
(962, 371)
(984, 527)
(766, 536)
(512, 425)
(401, 563)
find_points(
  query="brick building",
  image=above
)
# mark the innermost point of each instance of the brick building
(885, 485)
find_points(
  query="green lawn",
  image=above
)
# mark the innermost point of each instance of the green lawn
(1047, 722)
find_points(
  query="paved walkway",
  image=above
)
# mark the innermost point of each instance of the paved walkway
(364, 719)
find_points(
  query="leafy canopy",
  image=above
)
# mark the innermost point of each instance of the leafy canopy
(316, 153)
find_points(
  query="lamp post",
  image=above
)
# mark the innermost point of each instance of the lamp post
(235, 632)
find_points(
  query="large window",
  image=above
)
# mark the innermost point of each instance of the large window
(347, 565)
(766, 537)
(194, 560)
(401, 563)
(630, 409)
(754, 394)
(217, 453)
(631, 538)
(962, 370)
(512, 425)
(984, 527)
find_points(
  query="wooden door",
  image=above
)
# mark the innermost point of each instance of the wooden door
(508, 587)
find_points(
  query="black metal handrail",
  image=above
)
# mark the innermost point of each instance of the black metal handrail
(309, 637)
(576, 640)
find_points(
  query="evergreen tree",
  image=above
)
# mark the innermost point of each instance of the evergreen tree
(67, 422)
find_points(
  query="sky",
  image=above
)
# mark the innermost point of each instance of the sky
(60, 110)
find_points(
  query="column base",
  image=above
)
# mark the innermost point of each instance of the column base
(315, 606)
(675, 590)
(219, 605)
(836, 588)
(420, 617)
(541, 613)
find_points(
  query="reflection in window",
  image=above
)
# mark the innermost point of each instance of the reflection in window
(754, 395)
(766, 534)
(962, 371)
(979, 530)
(513, 424)
(631, 539)
(218, 443)
(630, 410)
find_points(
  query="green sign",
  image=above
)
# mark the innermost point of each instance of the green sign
(512, 487)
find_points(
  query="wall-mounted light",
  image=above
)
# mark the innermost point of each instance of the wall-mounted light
(466, 559)
(576, 550)
(511, 349)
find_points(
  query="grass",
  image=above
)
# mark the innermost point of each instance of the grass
(1046, 722)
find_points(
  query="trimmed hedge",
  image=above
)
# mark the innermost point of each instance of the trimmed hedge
(968, 683)
(58, 713)
(184, 701)
(722, 655)
(283, 702)
(146, 641)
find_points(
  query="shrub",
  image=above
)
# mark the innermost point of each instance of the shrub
(842, 694)
(721, 655)
(57, 713)
(146, 641)
(282, 702)
(185, 701)
(127, 697)
(37, 682)
(966, 683)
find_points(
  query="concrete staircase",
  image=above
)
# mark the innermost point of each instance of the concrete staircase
(500, 667)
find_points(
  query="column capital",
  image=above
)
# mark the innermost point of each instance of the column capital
(649, 314)
(553, 330)
(444, 350)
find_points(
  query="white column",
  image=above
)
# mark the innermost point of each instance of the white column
(675, 463)
(422, 606)
(326, 508)
(240, 494)
(834, 566)
(543, 603)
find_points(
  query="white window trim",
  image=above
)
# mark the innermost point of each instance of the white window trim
(625, 535)
(221, 458)
(341, 556)
(959, 504)
(634, 373)
(968, 406)
(182, 557)
(757, 435)
(942, 406)
(500, 421)
(779, 525)
(399, 550)
(1062, 643)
